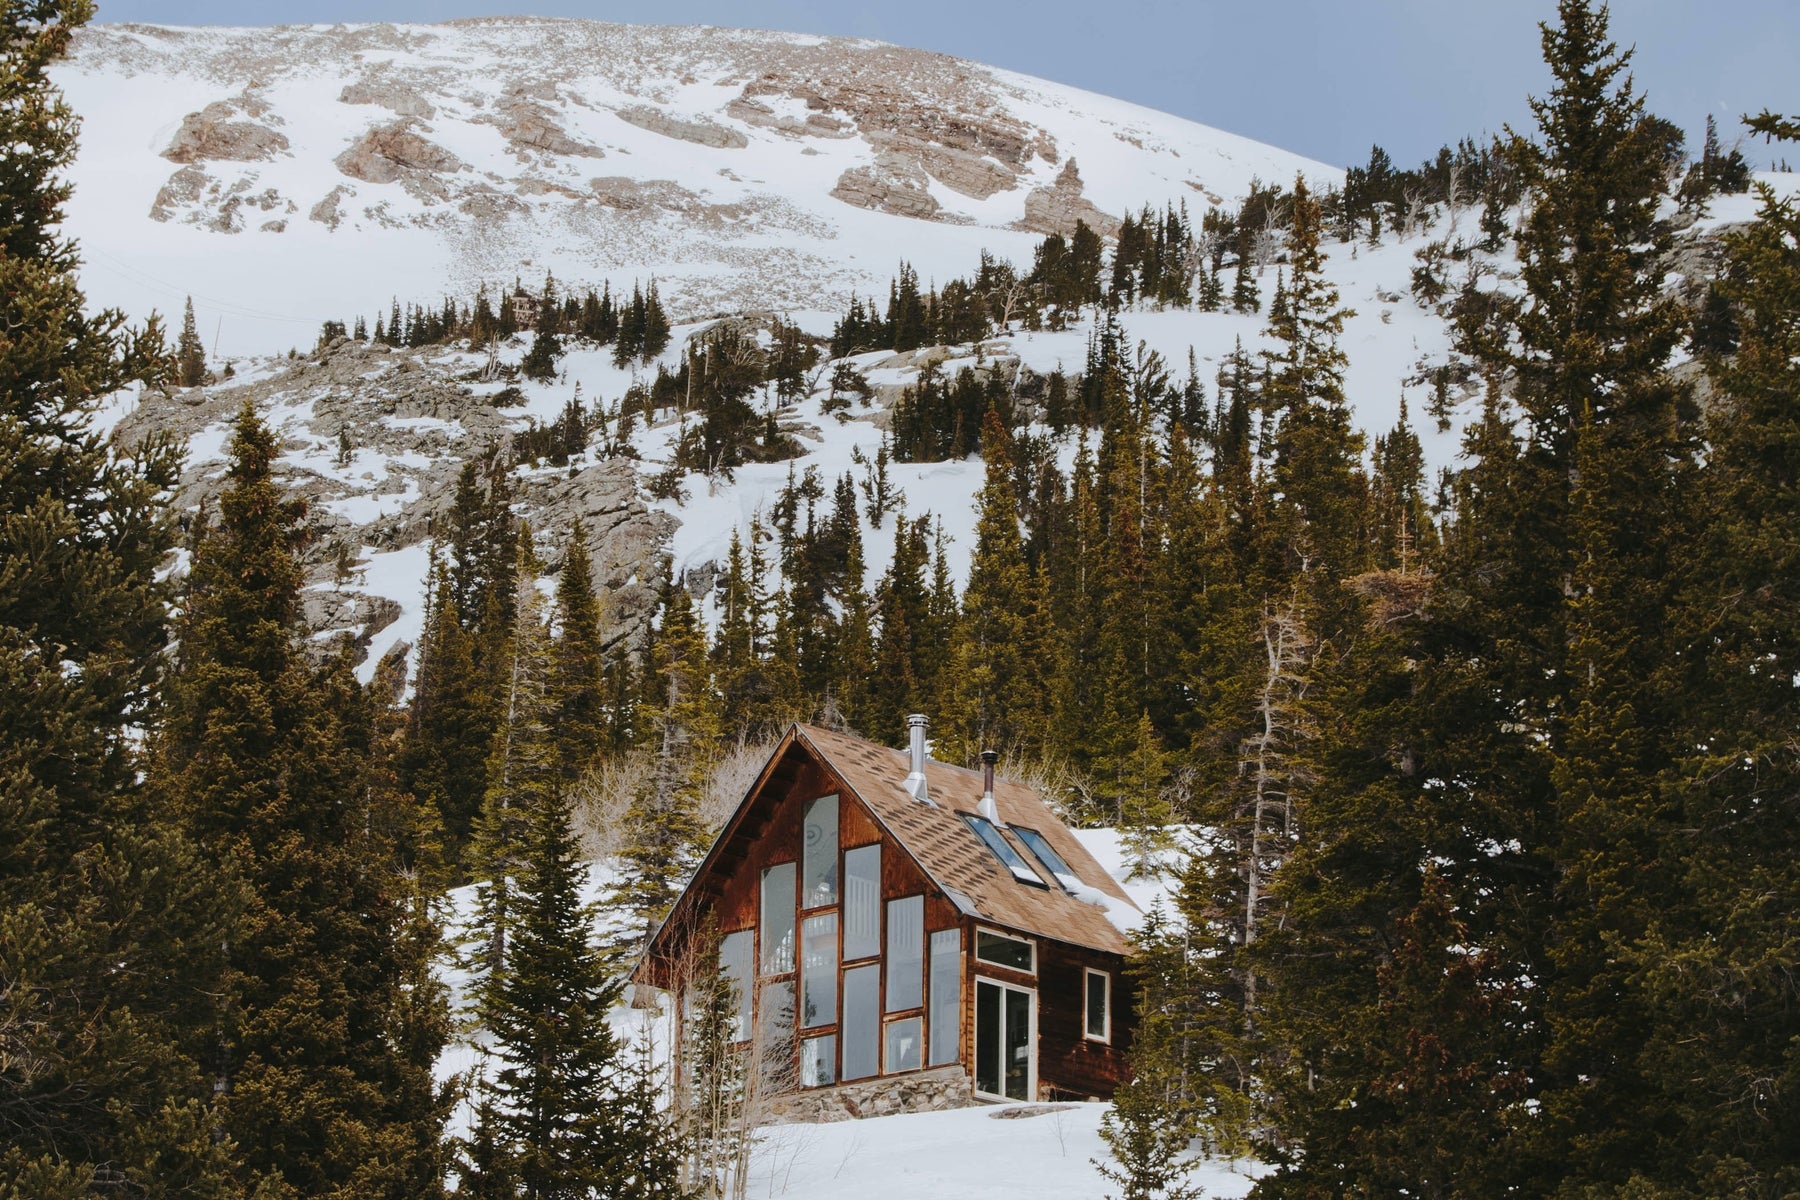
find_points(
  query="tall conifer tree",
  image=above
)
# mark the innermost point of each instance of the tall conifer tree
(109, 920)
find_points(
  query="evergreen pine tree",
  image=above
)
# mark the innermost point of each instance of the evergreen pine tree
(523, 768)
(554, 1116)
(109, 920)
(992, 681)
(578, 668)
(190, 353)
(274, 766)
(1717, 1058)
(663, 829)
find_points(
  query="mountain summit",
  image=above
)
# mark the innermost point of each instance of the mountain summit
(290, 174)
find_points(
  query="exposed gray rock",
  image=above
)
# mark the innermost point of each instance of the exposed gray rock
(184, 189)
(213, 134)
(327, 211)
(529, 125)
(702, 132)
(894, 183)
(920, 1091)
(1056, 209)
(389, 152)
(394, 96)
(412, 419)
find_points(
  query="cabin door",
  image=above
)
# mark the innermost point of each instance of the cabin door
(1005, 1041)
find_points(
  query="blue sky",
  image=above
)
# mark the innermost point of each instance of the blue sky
(1323, 78)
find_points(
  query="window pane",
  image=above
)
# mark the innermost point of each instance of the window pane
(862, 902)
(946, 996)
(988, 1052)
(1003, 849)
(775, 1033)
(1036, 843)
(1003, 951)
(819, 853)
(1018, 1044)
(818, 1061)
(861, 1027)
(1096, 1004)
(778, 919)
(818, 975)
(905, 953)
(734, 964)
(902, 1045)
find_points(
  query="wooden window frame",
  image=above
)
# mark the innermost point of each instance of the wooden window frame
(975, 950)
(1104, 1038)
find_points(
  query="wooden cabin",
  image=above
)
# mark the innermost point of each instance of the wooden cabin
(906, 934)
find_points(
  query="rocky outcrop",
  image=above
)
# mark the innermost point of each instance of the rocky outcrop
(642, 195)
(756, 113)
(1056, 209)
(703, 133)
(529, 126)
(328, 212)
(894, 183)
(397, 98)
(387, 153)
(972, 174)
(411, 418)
(215, 134)
(183, 190)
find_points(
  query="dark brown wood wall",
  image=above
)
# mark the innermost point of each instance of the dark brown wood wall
(1070, 1064)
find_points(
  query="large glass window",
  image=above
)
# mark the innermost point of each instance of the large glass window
(946, 996)
(1046, 854)
(905, 953)
(862, 902)
(1099, 1006)
(1003, 850)
(819, 853)
(1004, 951)
(818, 1061)
(860, 1030)
(778, 919)
(902, 1046)
(775, 1031)
(818, 973)
(734, 964)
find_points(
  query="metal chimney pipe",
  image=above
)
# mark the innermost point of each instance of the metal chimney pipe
(989, 809)
(915, 782)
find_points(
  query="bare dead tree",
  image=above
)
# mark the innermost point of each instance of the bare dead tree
(1267, 762)
(1453, 197)
(1414, 217)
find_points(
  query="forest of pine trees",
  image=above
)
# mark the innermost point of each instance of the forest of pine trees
(1481, 795)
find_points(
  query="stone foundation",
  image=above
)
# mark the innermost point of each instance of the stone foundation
(919, 1091)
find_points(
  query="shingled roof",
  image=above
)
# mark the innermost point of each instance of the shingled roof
(948, 851)
(954, 857)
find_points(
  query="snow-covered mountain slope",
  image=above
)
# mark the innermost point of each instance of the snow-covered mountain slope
(285, 176)
(282, 176)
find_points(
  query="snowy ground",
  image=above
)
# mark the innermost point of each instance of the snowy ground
(965, 1154)
(974, 1153)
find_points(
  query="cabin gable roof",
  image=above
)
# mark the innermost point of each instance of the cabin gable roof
(933, 835)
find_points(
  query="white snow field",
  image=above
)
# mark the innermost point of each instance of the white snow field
(510, 147)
